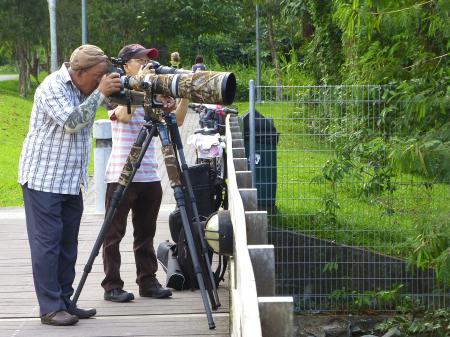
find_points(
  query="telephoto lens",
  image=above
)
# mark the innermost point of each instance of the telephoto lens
(210, 87)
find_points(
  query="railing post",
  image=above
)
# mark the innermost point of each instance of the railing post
(256, 223)
(251, 127)
(276, 316)
(244, 179)
(249, 199)
(263, 262)
(102, 151)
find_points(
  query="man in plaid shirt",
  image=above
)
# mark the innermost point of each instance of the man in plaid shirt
(53, 167)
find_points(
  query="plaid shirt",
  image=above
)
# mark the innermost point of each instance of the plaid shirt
(123, 137)
(52, 159)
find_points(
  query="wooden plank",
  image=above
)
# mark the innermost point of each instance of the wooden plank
(181, 315)
(137, 326)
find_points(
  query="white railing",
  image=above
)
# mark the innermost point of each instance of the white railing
(245, 320)
(255, 311)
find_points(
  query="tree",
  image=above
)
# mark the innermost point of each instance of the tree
(268, 8)
(23, 34)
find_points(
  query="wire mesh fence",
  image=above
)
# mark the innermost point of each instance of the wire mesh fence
(344, 218)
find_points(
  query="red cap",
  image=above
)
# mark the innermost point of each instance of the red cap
(136, 51)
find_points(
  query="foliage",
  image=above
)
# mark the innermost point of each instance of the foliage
(431, 248)
(345, 299)
(22, 35)
(431, 323)
(427, 155)
(323, 54)
(8, 69)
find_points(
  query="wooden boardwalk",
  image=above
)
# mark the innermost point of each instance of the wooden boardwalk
(181, 315)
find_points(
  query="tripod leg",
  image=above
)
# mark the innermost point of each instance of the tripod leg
(172, 167)
(179, 197)
(134, 159)
(212, 288)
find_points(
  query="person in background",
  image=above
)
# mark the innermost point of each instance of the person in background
(144, 193)
(53, 169)
(175, 60)
(199, 65)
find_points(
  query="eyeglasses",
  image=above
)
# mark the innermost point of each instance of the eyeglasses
(142, 62)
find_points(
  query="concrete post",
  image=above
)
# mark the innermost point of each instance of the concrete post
(249, 198)
(256, 223)
(240, 164)
(238, 143)
(276, 315)
(244, 179)
(263, 262)
(236, 135)
(235, 129)
(102, 151)
(238, 152)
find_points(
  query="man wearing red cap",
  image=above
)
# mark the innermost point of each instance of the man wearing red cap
(144, 193)
(53, 168)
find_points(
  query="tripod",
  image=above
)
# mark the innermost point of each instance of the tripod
(171, 146)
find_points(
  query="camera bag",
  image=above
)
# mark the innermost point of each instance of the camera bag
(203, 180)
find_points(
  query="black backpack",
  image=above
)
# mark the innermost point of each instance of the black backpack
(187, 267)
(204, 185)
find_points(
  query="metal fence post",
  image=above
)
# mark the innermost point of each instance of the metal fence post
(102, 151)
(251, 126)
(258, 63)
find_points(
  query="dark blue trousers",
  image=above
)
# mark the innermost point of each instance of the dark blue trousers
(53, 222)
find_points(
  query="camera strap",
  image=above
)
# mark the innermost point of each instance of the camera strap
(128, 95)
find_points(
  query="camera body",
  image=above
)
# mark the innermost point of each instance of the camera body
(201, 87)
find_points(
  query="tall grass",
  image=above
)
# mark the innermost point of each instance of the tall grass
(14, 119)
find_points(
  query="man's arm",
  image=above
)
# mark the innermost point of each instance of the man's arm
(180, 112)
(84, 114)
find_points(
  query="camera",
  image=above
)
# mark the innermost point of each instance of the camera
(211, 87)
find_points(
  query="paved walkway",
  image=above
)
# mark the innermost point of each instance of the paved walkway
(182, 315)
(8, 77)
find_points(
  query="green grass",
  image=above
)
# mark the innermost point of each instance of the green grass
(14, 118)
(8, 69)
(381, 222)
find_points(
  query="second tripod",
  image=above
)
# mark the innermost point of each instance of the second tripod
(177, 171)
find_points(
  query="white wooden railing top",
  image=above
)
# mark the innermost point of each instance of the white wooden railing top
(245, 318)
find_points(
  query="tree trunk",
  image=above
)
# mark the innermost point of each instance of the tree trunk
(273, 53)
(47, 59)
(34, 66)
(28, 60)
(23, 85)
(22, 65)
(307, 27)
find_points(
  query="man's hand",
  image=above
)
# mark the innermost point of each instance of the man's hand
(122, 115)
(110, 84)
(168, 103)
(147, 69)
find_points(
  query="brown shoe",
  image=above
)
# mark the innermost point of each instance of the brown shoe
(59, 318)
(156, 291)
